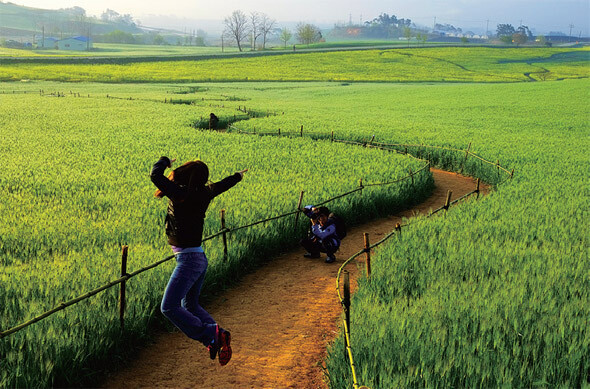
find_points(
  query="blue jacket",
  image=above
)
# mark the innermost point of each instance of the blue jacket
(325, 233)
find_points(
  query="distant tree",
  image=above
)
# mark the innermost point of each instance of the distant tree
(285, 36)
(308, 33)
(519, 38)
(109, 15)
(524, 30)
(267, 25)
(236, 27)
(408, 34)
(119, 36)
(158, 40)
(541, 39)
(464, 40)
(505, 30)
(255, 27)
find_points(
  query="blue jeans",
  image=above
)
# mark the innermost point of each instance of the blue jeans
(181, 298)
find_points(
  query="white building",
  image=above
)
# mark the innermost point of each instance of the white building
(79, 43)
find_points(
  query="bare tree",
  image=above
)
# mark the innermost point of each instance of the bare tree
(255, 27)
(267, 25)
(236, 27)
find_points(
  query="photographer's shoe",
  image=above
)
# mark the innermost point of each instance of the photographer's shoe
(330, 259)
(311, 255)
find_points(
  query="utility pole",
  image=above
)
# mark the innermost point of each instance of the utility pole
(434, 25)
(488, 28)
(571, 26)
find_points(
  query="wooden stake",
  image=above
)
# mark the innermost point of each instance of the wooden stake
(398, 227)
(346, 304)
(224, 235)
(279, 132)
(122, 288)
(448, 202)
(302, 130)
(412, 176)
(298, 209)
(477, 189)
(332, 139)
(361, 185)
(368, 253)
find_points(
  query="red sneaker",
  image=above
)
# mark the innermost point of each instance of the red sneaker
(224, 347)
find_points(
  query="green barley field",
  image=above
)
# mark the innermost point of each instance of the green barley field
(494, 294)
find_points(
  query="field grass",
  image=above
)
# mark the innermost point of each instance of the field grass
(443, 64)
(119, 50)
(87, 191)
(496, 293)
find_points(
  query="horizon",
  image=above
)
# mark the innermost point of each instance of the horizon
(570, 17)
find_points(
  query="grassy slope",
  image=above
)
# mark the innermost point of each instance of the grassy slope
(401, 65)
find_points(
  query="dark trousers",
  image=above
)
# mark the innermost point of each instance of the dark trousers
(315, 247)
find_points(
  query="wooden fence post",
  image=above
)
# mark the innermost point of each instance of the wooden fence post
(412, 176)
(346, 304)
(448, 201)
(302, 130)
(279, 131)
(498, 167)
(332, 138)
(477, 189)
(298, 209)
(122, 288)
(224, 235)
(465, 160)
(398, 228)
(368, 253)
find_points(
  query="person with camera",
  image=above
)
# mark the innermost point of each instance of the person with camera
(324, 237)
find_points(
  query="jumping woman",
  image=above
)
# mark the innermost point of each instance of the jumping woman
(190, 192)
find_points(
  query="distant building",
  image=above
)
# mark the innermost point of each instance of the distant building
(47, 43)
(79, 43)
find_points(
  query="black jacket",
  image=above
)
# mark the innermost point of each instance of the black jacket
(186, 210)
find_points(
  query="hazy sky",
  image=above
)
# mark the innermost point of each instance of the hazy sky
(541, 15)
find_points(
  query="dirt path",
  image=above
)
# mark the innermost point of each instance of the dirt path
(281, 318)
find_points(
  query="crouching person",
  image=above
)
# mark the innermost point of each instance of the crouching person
(324, 237)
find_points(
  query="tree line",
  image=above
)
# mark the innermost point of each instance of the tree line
(241, 29)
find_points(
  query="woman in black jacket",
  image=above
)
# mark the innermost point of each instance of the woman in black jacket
(189, 195)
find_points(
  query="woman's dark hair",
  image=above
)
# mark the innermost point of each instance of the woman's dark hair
(192, 174)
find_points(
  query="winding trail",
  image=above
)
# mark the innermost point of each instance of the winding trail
(281, 318)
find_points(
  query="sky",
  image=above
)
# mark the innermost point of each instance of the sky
(541, 16)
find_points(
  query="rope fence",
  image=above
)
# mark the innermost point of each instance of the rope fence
(345, 301)
(223, 232)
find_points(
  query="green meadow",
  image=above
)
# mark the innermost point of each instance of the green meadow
(442, 64)
(495, 293)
